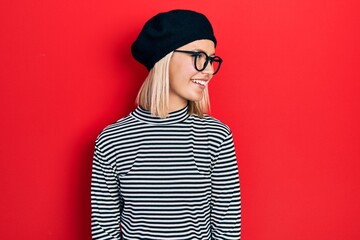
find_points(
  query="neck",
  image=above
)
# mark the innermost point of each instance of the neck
(173, 117)
(177, 106)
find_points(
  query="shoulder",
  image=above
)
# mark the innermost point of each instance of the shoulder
(117, 129)
(213, 125)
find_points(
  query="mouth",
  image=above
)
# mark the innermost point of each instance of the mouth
(200, 82)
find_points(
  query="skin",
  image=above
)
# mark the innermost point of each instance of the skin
(182, 71)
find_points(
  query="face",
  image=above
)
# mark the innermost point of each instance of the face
(186, 83)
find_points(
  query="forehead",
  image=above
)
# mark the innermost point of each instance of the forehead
(205, 45)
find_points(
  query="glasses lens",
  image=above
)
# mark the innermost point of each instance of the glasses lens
(200, 61)
(215, 64)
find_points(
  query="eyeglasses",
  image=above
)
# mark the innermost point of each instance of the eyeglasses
(201, 60)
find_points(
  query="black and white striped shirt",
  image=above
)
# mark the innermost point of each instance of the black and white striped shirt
(172, 178)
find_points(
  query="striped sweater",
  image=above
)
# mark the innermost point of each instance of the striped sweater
(173, 178)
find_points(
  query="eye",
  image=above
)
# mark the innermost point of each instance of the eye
(195, 54)
(202, 55)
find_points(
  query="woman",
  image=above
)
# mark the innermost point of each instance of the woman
(168, 170)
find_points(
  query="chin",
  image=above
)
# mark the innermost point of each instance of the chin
(195, 99)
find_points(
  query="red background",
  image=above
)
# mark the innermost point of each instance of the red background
(289, 89)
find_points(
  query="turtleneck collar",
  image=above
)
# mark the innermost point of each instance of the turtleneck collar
(173, 117)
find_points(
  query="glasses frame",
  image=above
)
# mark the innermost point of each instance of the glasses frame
(208, 59)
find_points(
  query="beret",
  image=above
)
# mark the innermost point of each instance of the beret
(168, 31)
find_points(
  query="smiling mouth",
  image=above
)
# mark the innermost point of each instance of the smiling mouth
(200, 82)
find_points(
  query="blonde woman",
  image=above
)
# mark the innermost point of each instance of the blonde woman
(168, 170)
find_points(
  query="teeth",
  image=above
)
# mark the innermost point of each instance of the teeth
(201, 82)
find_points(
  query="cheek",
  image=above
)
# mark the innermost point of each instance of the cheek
(181, 71)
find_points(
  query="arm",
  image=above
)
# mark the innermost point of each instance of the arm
(226, 201)
(105, 200)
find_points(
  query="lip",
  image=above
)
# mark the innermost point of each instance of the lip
(197, 81)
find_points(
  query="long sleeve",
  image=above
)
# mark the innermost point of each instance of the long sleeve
(226, 200)
(105, 199)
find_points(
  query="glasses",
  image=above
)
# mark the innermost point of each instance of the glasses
(201, 60)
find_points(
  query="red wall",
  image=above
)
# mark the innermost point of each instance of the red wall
(289, 89)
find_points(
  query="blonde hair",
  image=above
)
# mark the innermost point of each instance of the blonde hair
(154, 92)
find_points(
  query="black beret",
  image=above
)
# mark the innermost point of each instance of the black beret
(168, 31)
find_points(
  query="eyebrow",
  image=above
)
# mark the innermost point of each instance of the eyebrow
(201, 50)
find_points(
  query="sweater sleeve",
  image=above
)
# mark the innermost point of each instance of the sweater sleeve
(105, 200)
(226, 200)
